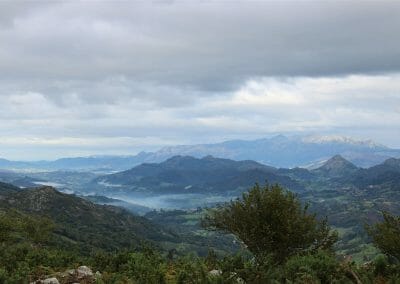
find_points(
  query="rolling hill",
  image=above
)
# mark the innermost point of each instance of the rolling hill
(185, 174)
(386, 174)
(83, 223)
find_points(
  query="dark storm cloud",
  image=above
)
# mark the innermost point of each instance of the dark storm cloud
(207, 45)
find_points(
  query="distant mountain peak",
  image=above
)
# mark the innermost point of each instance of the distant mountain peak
(179, 158)
(392, 162)
(321, 139)
(208, 157)
(337, 161)
(47, 189)
(338, 157)
(279, 151)
(336, 166)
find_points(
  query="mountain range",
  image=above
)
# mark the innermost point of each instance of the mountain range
(278, 151)
(285, 151)
(186, 174)
(348, 195)
(182, 175)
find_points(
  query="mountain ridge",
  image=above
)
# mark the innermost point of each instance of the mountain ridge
(386, 173)
(81, 221)
(278, 151)
(185, 174)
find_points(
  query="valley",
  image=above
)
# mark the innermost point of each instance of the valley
(177, 192)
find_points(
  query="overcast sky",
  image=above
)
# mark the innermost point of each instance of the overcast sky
(83, 78)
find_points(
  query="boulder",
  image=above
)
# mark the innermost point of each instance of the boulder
(83, 272)
(215, 272)
(52, 280)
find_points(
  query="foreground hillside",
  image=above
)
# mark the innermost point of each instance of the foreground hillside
(298, 250)
(80, 222)
(348, 195)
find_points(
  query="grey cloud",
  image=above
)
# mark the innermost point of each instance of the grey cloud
(130, 72)
(10, 10)
(208, 45)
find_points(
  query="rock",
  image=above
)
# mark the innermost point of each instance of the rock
(215, 272)
(83, 272)
(52, 280)
(71, 272)
(236, 278)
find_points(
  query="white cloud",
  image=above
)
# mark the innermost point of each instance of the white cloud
(353, 104)
(266, 93)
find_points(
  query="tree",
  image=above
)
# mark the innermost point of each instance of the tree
(38, 229)
(6, 227)
(272, 221)
(386, 235)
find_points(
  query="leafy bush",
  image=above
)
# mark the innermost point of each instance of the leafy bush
(271, 220)
(320, 267)
(148, 267)
(191, 269)
(386, 235)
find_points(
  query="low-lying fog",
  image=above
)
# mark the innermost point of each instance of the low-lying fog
(174, 201)
(162, 201)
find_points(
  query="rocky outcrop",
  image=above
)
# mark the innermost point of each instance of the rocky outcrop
(215, 272)
(83, 272)
(82, 275)
(51, 280)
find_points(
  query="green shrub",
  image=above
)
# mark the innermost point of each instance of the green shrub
(381, 265)
(146, 267)
(321, 266)
(191, 269)
(386, 235)
(270, 220)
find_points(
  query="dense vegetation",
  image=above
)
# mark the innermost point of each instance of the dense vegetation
(349, 196)
(272, 221)
(81, 223)
(386, 235)
(29, 250)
